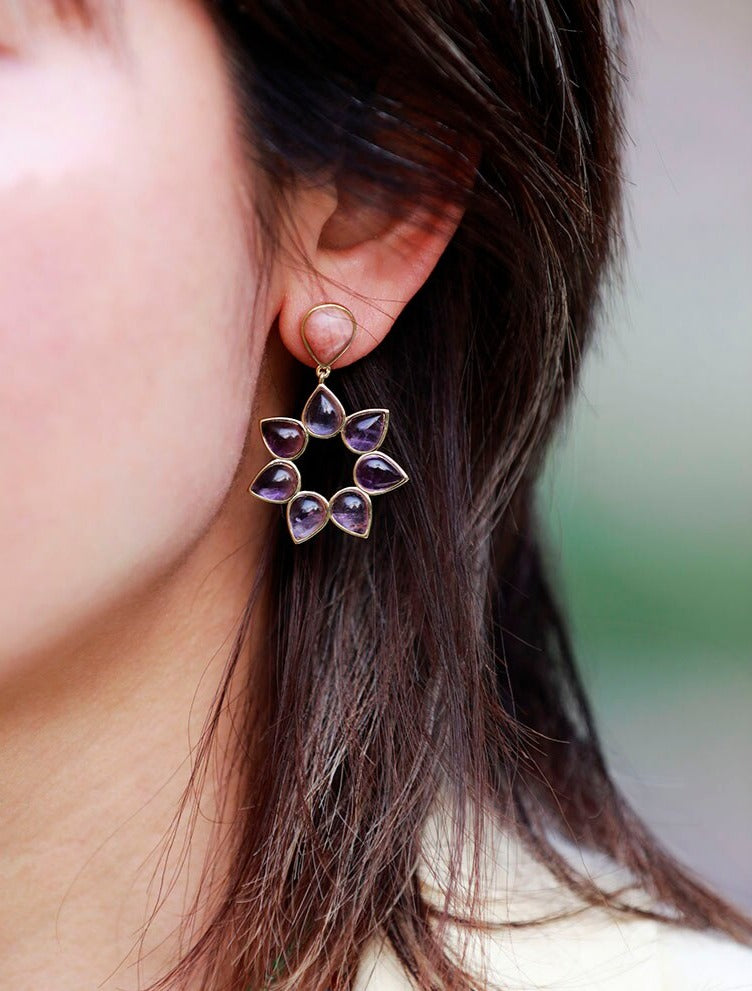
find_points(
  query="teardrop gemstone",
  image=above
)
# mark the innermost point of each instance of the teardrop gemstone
(276, 482)
(365, 430)
(284, 436)
(323, 414)
(377, 473)
(350, 509)
(332, 327)
(307, 513)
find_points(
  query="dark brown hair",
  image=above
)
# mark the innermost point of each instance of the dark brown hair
(432, 657)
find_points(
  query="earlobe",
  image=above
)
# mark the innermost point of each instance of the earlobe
(364, 259)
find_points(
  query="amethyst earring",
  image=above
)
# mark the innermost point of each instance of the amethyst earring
(323, 418)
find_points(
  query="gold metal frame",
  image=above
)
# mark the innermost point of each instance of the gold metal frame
(366, 496)
(298, 495)
(391, 461)
(323, 368)
(362, 412)
(269, 464)
(287, 419)
(334, 399)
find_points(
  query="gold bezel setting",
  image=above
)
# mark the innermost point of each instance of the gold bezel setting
(266, 467)
(367, 501)
(284, 419)
(339, 410)
(321, 500)
(354, 417)
(391, 463)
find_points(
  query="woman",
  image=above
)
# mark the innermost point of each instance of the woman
(236, 760)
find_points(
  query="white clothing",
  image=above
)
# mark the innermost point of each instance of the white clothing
(595, 950)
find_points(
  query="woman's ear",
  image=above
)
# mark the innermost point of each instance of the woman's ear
(347, 251)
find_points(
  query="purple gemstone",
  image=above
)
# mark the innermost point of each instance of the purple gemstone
(364, 431)
(377, 473)
(350, 509)
(276, 482)
(306, 515)
(284, 436)
(323, 414)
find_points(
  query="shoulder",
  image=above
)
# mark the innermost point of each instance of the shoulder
(632, 955)
(588, 948)
(703, 961)
(602, 952)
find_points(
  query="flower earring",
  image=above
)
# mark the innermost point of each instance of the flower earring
(323, 418)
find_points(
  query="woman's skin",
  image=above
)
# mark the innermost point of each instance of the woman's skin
(133, 324)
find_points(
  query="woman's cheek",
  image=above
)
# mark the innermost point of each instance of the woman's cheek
(126, 363)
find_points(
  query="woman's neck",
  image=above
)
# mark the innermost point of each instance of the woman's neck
(97, 742)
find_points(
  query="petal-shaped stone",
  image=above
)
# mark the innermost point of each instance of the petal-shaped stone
(276, 482)
(284, 436)
(350, 510)
(365, 430)
(307, 513)
(323, 414)
(377, 473)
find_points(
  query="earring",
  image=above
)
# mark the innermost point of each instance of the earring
(323, 418)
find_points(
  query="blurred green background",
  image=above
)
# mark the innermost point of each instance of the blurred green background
(648, 495)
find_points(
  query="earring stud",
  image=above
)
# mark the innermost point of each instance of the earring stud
(324, 418)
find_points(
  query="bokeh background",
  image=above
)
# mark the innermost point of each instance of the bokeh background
(648, 497)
